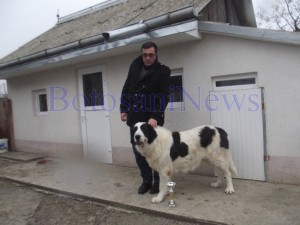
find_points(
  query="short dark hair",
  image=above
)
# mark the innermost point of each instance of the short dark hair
(149, 44)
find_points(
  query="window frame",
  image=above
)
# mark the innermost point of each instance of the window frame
(233, 77)
(177, 106)
(37, 102)
(87, 88)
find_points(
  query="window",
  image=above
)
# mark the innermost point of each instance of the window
(176, 86)
(93, 89)
(245, 81)
(235, 81)
(40, 102)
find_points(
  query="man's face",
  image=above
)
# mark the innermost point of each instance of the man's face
(149, 56)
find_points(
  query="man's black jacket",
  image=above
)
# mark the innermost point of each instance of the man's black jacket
(148, 97)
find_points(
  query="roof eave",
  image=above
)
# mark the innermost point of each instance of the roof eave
(282, 37)
(177, 16)
(180, 32)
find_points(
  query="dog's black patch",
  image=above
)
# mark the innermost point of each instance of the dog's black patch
(178, 148)
(134, 129)
(224, 143)
(149, 132)
(206, 136)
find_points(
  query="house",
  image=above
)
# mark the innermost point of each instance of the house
(65, 84)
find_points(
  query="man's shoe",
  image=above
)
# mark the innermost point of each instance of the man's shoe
(155, 188)
(144, 188)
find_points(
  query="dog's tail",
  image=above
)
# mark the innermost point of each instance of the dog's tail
(232, 167)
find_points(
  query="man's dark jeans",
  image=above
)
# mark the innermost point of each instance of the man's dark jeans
(146, 170)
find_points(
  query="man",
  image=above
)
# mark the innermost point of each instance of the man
(144, 98)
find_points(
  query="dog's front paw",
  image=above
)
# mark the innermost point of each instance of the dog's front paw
(156, 199)
(229, 190)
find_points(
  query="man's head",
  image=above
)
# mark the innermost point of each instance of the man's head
(149, 53)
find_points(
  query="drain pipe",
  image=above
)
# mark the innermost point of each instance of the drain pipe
(177, 16)
(125, 32)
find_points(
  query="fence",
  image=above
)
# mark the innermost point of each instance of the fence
(6, 122)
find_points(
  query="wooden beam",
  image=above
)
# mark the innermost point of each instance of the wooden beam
(235, 12)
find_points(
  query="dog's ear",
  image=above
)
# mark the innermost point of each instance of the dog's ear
(133, 129)
(149, 132)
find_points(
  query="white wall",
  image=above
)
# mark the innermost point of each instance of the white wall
(277, 66)
(117, 69)
(60, 126)
(219, 55)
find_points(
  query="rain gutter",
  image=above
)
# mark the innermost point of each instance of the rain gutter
(107, 38)
(283, 37)
(188, 28)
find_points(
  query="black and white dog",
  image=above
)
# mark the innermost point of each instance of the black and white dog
(170, 152)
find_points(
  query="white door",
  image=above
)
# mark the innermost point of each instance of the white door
(240, 113)
(94, 114)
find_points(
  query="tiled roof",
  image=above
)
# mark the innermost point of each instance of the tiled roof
(99, 21)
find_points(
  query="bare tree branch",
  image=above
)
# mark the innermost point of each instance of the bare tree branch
(285, 15)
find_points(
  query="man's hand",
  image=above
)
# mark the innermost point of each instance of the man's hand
(124, 117)
(152, 122)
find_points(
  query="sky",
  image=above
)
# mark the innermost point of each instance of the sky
(23, 20)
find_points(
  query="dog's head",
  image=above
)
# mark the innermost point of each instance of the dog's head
(143, 133)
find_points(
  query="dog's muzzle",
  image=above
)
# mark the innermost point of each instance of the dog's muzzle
(139, 143)
(138, 140)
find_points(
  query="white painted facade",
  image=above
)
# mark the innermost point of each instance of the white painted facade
(276, 65)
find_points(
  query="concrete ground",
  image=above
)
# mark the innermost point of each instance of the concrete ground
(23, 205)
(252, 203)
